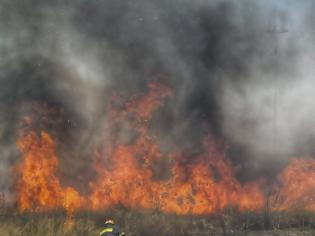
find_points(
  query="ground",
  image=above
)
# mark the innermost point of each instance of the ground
(147, 224)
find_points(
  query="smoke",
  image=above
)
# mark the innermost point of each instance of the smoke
(270, 113)
(241, 69)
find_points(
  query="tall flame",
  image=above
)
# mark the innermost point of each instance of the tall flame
(205, 184)
(192, 188)
(38, 187)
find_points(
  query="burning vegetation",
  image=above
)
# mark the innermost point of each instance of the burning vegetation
(168, 113)
(124, 172)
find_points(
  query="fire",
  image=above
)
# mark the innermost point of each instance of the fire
(198, 192)
(297, 182)
(38, 188)
(202, 184)
(191, 189)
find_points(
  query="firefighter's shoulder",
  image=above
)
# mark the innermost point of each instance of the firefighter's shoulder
(106, 230)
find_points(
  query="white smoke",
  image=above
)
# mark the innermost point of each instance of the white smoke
(273, 112)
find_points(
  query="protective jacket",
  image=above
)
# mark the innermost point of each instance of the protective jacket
(111, 230)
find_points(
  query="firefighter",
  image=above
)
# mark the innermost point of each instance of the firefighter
(111, 229)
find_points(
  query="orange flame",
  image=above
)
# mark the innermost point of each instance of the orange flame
(205, 184)
(199, 192)
(38, 188)
(297, 182)
(191, 188)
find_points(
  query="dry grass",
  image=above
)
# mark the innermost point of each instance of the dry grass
(155, 224)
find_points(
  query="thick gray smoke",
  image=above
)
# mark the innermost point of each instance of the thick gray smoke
(243, 68)
(271, 112)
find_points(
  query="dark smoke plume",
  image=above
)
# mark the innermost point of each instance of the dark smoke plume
(243, 69)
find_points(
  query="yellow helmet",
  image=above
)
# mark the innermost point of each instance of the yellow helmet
(109, 222)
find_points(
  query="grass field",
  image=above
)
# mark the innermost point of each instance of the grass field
(154, 224)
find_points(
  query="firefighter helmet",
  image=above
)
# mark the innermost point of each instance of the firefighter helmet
(109, 222)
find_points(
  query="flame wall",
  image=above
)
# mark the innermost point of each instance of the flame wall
(77, 79)
(207, 185)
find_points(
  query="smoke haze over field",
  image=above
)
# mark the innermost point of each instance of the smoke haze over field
(242, 69)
